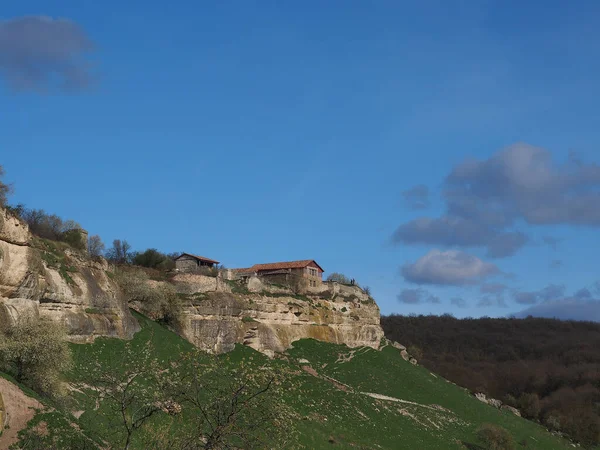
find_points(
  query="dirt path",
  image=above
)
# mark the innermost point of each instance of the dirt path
(20, 409)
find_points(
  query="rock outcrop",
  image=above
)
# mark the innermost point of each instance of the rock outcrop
(50, 279)
(219, 313)
(497, 404)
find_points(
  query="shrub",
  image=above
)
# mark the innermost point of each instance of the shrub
(208, 271)
(415, 351)
(495, 438)
(153, 259)
(529, 404)
(51, 226)
(159, 302)
(35, 352)
(339, 277)
(248, 319)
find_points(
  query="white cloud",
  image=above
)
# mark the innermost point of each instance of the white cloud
(450, 267)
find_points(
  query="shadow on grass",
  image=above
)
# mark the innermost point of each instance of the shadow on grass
(472, 446)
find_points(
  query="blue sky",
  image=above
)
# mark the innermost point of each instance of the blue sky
(252, 132)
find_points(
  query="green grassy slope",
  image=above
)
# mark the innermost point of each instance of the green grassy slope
(329, 395)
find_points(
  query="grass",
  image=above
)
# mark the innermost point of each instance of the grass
(53, 254)
(329, 413)
(237, 288)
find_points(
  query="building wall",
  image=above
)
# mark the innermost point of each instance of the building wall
(189, 264)
(314, 275)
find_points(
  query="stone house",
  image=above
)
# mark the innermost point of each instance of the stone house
(307, 269)
(187, 262)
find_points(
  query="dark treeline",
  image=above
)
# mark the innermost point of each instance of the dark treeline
(549, 369)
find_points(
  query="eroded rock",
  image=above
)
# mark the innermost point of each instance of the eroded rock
(49, 279)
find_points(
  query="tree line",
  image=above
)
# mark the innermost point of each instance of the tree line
(549, 369)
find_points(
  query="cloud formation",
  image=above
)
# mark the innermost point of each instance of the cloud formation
(417, 296)
(485, 199)
(582, 305)
(492, 288)
(565, 309)
(450, 267)
(417, 197)
(459, 302)
(549, 293)
(39, 53)
(492, 301)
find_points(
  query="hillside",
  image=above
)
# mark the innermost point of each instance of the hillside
(311, 368)
(339, 397)
(547, 368)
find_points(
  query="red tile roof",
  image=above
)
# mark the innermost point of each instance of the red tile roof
(201, 258)
(280, 265)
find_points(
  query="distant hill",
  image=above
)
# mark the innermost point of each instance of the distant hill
(548, 368)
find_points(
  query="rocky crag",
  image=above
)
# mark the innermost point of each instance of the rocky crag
(219, 313)
(50, 279)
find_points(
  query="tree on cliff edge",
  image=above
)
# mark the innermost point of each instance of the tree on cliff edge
(5, 189)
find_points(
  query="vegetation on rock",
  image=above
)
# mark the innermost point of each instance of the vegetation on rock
(35, 352)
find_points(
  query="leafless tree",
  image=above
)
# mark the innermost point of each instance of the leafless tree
(129, 386)
(228, 408)
(95, 246)
(5, 189)
(120, 252)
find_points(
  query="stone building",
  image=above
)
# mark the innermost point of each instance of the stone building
(307, 269)
(187, 262)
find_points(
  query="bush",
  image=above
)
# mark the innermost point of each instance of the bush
(415, 352)
(35, 352)
(158, 302)
(529, 404)
(51, 226)
(153, 259)
(495, 438)
(208, 271)
(338, 277)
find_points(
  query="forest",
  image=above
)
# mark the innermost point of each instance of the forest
(549, 369)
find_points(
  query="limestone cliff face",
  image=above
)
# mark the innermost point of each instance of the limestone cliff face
(49, 279)
(219, 314)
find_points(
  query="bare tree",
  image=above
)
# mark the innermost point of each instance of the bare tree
(129, 386)
(229, 408)
(120, 252)
(5, 189)
(212, 405)
(95, 246)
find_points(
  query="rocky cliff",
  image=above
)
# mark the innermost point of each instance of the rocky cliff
(220, 313)
(50, 279)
